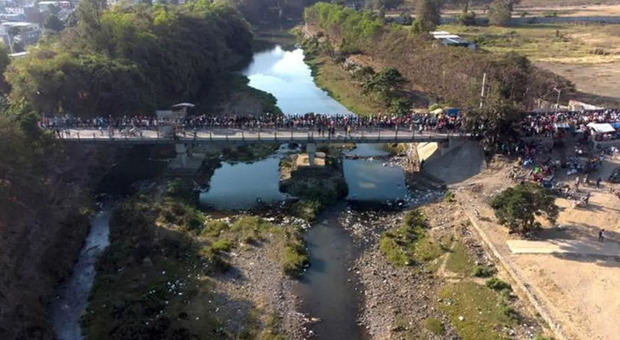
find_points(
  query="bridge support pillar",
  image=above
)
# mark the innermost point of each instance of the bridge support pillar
(311, 150)
(181, 150)
(444, 147)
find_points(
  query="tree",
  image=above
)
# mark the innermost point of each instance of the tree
(500, 12)
(53, 23)
(518, 207)
(428, 16)
(400, 105)
(384, 4)
(385, 83)
(4, 62)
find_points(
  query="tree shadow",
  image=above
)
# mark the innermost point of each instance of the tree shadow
(603, 261)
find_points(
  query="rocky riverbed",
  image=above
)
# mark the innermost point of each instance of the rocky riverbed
(410, 301)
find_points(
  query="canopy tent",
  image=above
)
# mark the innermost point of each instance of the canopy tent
(184, 105)
(602, 127)
(452, 111)
(616, 125)
(437, 111)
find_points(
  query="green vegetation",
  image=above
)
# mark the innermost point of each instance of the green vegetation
(386, 85)
(475, 311)
(428, 16)
(543, 337)
(518, 207)
(25, 153)
(248, 153)
(449, 197)
(483, 271)
(459, 261)
(452, 75)
(133, 59)
(356, 28)
(434, 326)
(316, 186)
(306, 209)
(341, 85)
(497, 284)
(500, 12)
(270, 13)
(167, 250)
(410, 243)
(559, 42)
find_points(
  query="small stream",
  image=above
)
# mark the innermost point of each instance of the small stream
(72, 297)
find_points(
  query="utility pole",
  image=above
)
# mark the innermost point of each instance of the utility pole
(484, 83)
(557, 103)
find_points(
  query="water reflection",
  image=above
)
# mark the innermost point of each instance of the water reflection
(374, 180)
(243, 185)
(285, 75)
(368, 150)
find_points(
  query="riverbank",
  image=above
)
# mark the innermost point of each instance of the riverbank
(573, 291)
(41, 240)
(439, 294)
(185, 273)
(333, 78)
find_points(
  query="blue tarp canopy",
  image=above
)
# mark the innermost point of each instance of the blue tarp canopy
(616, 125)
(451, 111)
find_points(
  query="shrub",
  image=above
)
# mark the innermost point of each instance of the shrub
(497, 284)
(467, 19)
(294, 259)
(392, 251)
(220, 246)
(435, 326)
(415, 218)
(409, 243)
(510, 312)
(449, 197)
(483, 271)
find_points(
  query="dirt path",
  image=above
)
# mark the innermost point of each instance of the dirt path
(577, 294)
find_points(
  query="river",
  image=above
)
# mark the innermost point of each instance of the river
(327, 289)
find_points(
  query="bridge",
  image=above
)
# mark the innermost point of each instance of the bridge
(185, 141)
(254, 136)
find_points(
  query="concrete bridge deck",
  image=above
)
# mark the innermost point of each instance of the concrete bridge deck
(252, 136)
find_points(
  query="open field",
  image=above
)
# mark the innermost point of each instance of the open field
(586, 54)
(578, 292)
(558, 43)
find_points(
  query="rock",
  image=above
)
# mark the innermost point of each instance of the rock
(461, 318)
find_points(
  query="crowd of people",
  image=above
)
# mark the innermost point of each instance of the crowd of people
(533, 124)
(420, 122)
(547, 123)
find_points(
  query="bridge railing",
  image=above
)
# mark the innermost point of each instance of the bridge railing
(262, 135)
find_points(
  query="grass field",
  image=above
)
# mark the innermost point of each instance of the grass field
(586, 54)
(333, 78)
(561, 43)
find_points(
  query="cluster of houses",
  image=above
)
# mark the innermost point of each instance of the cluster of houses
(448, 39)
(22, 22)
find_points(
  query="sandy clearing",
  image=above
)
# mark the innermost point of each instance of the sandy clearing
(578, 292)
